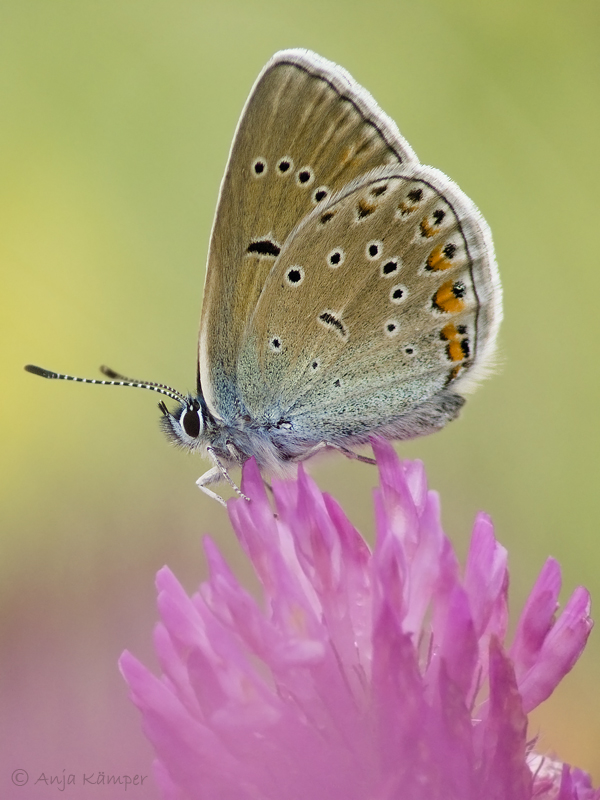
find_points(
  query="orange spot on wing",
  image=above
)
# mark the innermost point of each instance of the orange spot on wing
(446, 300)
(406, 209)
(455, 351)
(437, 260)
(449, 331)
(365, 208)
(426, 229)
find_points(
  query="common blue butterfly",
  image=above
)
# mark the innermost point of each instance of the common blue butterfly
(350, 290)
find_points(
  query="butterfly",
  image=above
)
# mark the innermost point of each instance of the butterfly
(350, 291)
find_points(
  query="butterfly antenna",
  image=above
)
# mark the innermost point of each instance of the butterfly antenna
(116, 376)
(115, 380)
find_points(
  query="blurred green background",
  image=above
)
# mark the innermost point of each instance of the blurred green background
(116, 120)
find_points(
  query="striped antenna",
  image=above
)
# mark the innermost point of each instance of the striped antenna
(115, 380)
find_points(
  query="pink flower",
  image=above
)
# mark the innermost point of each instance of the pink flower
(361, 676)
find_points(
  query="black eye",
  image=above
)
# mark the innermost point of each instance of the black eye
(190, 422)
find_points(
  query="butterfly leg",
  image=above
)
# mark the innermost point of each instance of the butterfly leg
(213, 475)
(340, 448)
(351, 454)
(216, 473)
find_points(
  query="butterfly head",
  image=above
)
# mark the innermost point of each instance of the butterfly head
(189, 424)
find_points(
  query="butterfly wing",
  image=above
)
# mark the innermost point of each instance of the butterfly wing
(382, 303)
(307, 130)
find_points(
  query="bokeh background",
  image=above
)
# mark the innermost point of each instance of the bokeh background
(116, 120)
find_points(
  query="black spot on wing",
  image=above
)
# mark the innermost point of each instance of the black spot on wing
(379, 190)
(449, 250)
(330, 320)
(264, 247)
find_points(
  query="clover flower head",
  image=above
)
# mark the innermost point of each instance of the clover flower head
(361, 675)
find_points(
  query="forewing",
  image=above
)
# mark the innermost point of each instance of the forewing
(379, 300)
(307, 130)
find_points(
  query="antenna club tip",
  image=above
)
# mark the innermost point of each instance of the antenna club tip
(110, 373)
(43, 373)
